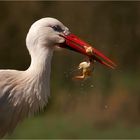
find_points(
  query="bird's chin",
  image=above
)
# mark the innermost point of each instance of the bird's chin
(60, 40)
(74, 43)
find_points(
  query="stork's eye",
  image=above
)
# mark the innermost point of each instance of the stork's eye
(57, 28)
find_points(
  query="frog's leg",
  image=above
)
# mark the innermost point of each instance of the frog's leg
(81, 76)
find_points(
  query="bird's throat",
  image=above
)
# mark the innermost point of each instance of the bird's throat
(41, 61)
(39, 75)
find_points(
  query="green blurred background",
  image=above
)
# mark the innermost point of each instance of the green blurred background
(107, 105)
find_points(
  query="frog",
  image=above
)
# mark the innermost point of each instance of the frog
(87, 68)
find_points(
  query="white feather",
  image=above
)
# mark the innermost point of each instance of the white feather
(23, 93)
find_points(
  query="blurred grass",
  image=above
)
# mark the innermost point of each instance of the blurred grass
(59, 127)
(81, 111)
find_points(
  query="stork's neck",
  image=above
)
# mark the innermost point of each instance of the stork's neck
(38, 75)
(40, 69)
(41, 61)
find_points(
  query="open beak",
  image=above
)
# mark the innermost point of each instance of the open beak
(74, 43)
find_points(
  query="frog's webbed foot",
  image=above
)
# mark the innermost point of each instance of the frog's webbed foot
(80, 77)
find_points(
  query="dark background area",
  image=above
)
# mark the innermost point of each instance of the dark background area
(107, 105)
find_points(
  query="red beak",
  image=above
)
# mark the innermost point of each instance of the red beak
(76, 44)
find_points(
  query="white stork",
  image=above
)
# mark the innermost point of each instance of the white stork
(23, 93)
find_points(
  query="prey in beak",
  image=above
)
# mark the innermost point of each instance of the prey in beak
(74, 43)
(87, 68)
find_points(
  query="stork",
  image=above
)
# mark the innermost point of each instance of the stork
(23, 93)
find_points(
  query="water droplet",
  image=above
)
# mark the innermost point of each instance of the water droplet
(81, 84)
(106, 106)
(91, 86)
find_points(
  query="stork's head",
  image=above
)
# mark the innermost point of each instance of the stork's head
(49, 32)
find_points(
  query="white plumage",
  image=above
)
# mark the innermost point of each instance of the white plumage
(23, 93)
